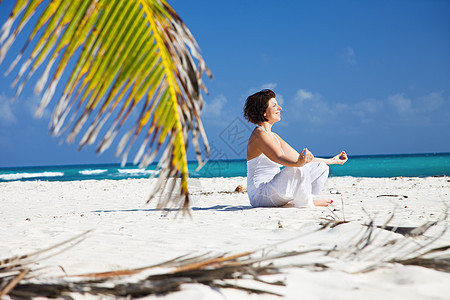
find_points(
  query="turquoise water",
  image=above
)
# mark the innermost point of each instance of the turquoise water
(411, 165)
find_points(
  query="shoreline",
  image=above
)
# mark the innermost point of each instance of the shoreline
(331, 176)
(127, 233)
(231, 159)
(378, 166)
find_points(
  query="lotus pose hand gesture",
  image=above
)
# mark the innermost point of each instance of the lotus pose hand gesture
(305, 157)
(340, 159)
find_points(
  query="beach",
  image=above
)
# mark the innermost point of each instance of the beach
(127, 233)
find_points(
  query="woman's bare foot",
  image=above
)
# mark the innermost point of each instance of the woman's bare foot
(289, 204)
(322, 202)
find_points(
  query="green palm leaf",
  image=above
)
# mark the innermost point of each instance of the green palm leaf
(121, 54)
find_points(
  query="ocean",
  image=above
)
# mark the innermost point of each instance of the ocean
(407, 165)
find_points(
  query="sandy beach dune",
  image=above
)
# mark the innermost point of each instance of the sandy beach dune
(127, 233)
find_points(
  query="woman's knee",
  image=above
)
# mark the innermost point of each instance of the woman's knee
(317, 168)
(325, 167)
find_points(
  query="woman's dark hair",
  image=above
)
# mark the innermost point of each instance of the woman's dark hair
(256, 105)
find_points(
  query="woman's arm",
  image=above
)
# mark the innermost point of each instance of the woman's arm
(268, 145)
(339, 159)
(287, 149)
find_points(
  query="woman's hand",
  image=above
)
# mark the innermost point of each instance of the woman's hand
(305, 157)
(340, 159)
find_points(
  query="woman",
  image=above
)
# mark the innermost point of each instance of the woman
(304, 175)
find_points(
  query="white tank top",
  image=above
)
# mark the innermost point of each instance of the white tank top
(259, 170)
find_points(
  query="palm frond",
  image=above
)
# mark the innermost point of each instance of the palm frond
(117, 56)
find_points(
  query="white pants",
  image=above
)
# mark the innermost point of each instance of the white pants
(297, 184)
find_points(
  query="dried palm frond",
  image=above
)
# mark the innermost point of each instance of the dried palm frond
(128, 57)
(408, 249)
(368, 248)
(14, 269)
(437, 263)
(212, 271)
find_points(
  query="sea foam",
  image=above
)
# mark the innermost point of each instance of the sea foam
(92, 172)
(137, 171)
(17, 176)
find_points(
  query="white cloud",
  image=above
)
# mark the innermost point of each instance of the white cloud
(214, 108)
(32, 103)
(303, 95)
(6, 110)
(430, 102)
(310, 107)
(280, 99)
(9, 108)
(349, 55)
(402, 105)
(367, 108)
(270, 86)
(309, 100)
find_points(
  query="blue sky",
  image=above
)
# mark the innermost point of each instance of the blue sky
(369, 77)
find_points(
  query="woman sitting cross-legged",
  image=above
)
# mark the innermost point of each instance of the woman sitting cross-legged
(303, 176)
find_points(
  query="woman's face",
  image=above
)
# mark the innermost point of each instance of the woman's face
(273, 111)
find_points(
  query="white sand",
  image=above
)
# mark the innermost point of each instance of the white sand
(127, 233)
